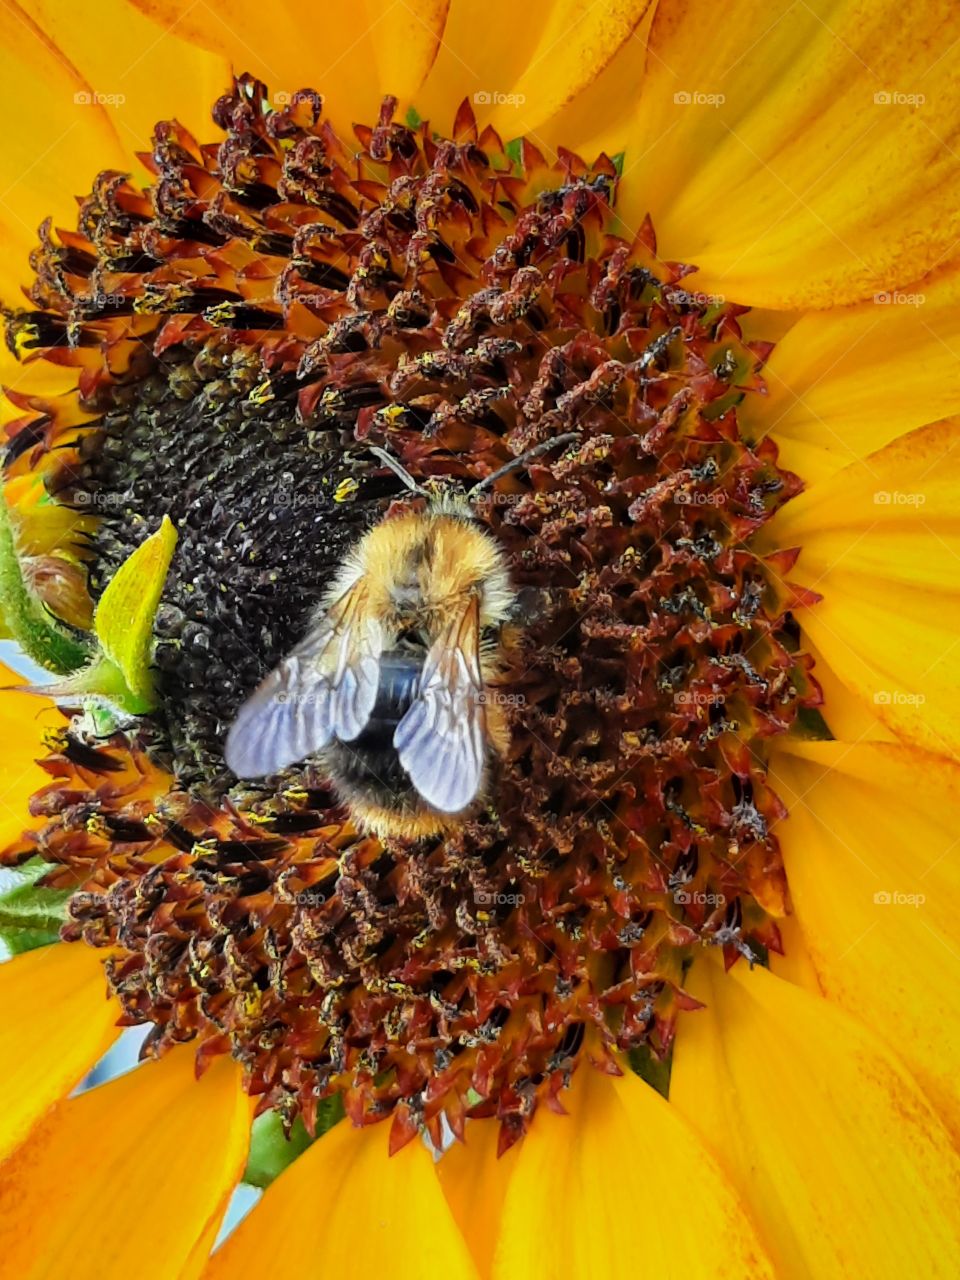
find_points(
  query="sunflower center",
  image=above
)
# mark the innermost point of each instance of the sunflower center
(246, 329)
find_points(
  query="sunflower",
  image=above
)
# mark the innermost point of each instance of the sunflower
(679, 995)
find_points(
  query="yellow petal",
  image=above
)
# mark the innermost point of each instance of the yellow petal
(845, 383)
(870, 852)
(881, 544)
(840, 1157)
(405, 42)
(139, 73)
(621, 1186)
(130, 1179)
(848, 717)
(62, 145)
(331, 49)
(346, 1208)
(24, 718)
(55, 1023)
(474, 1181)
(769, 156)
(576, 44)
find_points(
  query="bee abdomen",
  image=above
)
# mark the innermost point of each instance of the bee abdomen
(368, 768)
(399, 679)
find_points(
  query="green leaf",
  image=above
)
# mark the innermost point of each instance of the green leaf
(647, 1067)
(414, 118)
(513, 150)
(617, 162)
(271, 1150)
(30, 915)
(125, 614)
(26, 619)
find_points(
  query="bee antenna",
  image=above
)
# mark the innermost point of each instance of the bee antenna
(398, 469)
(569, 437)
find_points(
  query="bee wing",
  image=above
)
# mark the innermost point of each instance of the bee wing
(325, 688)
(441, 741)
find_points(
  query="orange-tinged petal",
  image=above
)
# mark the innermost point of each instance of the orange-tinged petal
(870, 852)
(621, 1186)
(289, 47)
(842, 1160)
(881, 543)
(406, 40)
(24, 718)
(795, 152)
(845, 383)
(347, 1208)
(130, 1179)
(600, 117)
(576, 44)
(474, 61)
(55, 1023)
(474, 1181)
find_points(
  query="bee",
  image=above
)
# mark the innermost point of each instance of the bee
(390, 687)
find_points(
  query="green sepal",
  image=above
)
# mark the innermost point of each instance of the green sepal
(413, 118)
(30, 915)
(656, 1072)
(810, 724)
(26, 619)
(125, 615)
(513, 150)
(271, 1150)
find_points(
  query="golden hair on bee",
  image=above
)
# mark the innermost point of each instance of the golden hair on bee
(391, 687)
